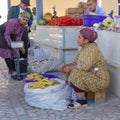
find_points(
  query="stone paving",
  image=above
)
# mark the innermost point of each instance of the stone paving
(14, 107)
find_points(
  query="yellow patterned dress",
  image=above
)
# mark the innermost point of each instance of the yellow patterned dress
(91, 73)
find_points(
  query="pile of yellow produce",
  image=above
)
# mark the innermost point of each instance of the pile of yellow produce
(48, 16)
(46, 19)
(108, 22)
(42, 82)
(34, 76)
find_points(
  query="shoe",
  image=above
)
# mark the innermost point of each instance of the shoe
(78, 104)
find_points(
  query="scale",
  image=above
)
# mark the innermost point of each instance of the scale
(17, 45)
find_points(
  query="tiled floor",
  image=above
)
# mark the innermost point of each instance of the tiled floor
(14, 107)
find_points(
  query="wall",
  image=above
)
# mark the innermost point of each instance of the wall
(16, 2)
(61, 5)
(110, 5)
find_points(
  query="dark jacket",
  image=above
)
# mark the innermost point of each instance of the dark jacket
(14, 13)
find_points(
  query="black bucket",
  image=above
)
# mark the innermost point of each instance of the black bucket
(23, 64)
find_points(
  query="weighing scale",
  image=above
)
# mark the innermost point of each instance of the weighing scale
(17, 45)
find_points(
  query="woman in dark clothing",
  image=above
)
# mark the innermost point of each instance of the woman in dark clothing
(12, 30)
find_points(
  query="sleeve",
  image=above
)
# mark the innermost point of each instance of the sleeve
(10, 13)
(10, 26)
(31, 17)
(87, 59)
(87, 11)
(19, 36)
(100, 11)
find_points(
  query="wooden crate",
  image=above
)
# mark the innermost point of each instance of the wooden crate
(80, 10)
(82, 5)
(72, 15)
(84, 11)
(71, 10)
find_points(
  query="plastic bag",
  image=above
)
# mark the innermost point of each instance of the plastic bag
(50, 64)
(39, 54)
(54, 97)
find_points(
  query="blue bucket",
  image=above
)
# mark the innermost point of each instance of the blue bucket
(89, 20)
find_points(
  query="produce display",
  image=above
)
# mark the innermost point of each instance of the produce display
(34, 76)
(48, 16)
(107, 23)
(65, 21)
(46, 19)
(41, 82)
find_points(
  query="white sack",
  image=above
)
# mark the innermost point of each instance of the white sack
(54, 97)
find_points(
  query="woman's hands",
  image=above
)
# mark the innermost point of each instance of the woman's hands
(68, 67)
(22, 50)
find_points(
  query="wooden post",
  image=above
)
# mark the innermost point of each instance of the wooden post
(100, 96)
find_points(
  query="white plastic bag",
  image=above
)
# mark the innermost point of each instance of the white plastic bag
(53, 64)
(54, 97)
(50, 64)
(39, 54)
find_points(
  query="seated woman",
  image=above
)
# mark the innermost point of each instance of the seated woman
(12, 30)
(88, 71)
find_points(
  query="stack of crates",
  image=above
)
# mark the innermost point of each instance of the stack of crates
(77, 12)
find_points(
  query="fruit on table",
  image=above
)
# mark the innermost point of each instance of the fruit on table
(42, 22)
(66, 21)
(108, 22)
(48, 16)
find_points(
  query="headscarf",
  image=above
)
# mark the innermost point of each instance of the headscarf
(25, 14)
(89, 34)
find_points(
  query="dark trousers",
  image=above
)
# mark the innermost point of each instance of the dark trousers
(10, 64)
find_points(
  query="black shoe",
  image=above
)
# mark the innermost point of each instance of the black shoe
(78, 104)
(82, 102)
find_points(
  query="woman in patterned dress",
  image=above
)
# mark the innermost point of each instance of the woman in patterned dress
(88, 71)
(12, 30)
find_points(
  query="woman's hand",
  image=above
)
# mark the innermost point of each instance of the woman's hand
(65, 69)
(68, 67)
(14, 50)
(22, 50)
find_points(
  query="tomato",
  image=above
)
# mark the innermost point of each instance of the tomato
(66, 21)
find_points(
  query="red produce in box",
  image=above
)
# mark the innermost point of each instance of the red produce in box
(66, 21)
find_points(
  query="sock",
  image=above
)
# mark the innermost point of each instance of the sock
(83, 98)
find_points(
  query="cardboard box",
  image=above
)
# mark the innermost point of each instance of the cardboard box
(79, 16)
(72, 15)
(82, 5)
(71, 10)
(79, 10)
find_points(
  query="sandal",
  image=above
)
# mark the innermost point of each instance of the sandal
(78, 104)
